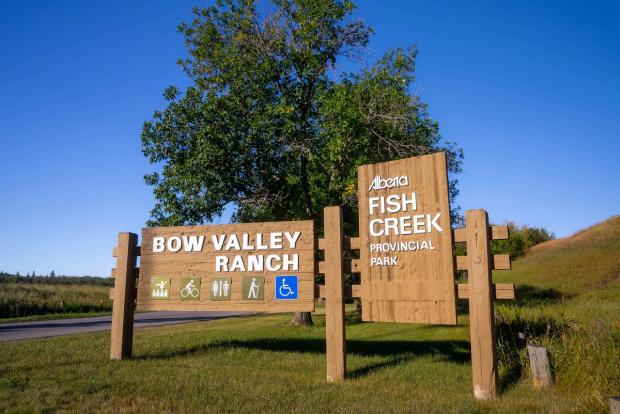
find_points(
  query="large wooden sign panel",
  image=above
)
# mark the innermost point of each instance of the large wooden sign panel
(407, 263)
(265, 267)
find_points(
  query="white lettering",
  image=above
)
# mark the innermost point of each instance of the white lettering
(158, 244)
(237, 264)
(174, 244)
(292, 239)
(379, 183)
(269, 263)
(233, 242)
(276, 240)
(221, 264)
(193, 243)
(255, 263)
(218, 241)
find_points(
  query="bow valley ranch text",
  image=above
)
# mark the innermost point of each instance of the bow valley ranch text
(405, 225)
(236, 243)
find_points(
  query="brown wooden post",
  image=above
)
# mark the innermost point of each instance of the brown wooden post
(481, 318)
(124, 292)
(334, 295)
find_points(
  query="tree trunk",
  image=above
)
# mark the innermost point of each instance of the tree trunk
(304, 318)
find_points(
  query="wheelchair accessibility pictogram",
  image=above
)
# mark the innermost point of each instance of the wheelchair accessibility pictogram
(286, 288)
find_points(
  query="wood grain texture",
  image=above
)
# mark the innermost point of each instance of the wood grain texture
(201, 264)
(350, 266)
(503, 291)
(481, 318)
(349, 243)
(335, 335)
(499, 262)
(539, 364)
(124, 295)
(497, 233)
(393, 293)
(350, 291)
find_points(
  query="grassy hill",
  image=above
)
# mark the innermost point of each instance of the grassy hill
(568, 300)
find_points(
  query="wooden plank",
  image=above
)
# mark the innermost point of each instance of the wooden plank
(350, 243)
(124, 294)
(539, 364)
(335, 335)
(350, 266)
(614, 405)
(497, 233)
(503, 291)
(500, 262)
(481, 318)
(418, 187)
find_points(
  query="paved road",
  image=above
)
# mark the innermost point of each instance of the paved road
(42, 329)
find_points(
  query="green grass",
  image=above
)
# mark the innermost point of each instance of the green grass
(256, 364)
(569, 293)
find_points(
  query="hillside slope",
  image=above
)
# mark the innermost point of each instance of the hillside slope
(588, 260)
(568, 298)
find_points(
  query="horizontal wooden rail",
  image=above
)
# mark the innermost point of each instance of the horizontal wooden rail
(500, 262)
(497, 233)
(503, 291)
(350, 243)
(350, 266)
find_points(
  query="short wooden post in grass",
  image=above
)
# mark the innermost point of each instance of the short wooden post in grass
(614, 405)
(481, 295)
(124, 295)
(334, 294)
(539, 364)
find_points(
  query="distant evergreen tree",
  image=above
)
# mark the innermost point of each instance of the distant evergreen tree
(52, 274)
(33, 274)
(17, 273)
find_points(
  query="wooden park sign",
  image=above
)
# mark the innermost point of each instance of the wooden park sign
(406, 263)
(265, 267)
(407, 266)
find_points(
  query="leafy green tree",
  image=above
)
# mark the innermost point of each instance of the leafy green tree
(270, 127)
(521, 239)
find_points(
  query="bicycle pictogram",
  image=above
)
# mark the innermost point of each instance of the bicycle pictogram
(190, 290)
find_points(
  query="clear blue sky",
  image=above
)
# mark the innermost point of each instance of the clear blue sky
(530, 90)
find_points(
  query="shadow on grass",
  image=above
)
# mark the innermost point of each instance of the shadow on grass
(525, 295)
(532, 295)
(396, 352)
